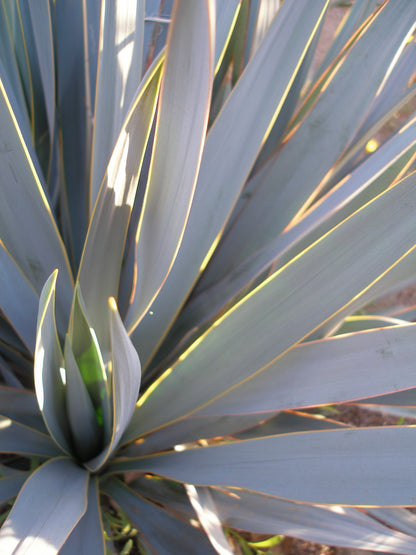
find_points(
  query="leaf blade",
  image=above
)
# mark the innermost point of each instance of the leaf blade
(48, 361)
(294, 305)
(99, 270)
(125, 376)
(361, 466)
(87, 538)
(118, 77)
(220, 179)
(58, 490)
(180, 131)
(289, 187)
(334, 370)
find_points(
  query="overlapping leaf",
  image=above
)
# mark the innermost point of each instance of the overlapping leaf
(48, 362)
(289, 187)
(285, 308)
(361, 466)
(118, 77)
(100, 267)
(58, 491)
(226, 162)
(177, 149)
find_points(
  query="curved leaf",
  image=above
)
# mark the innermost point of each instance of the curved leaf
(89, 360)
(87, 538)
(338, 526)
(289, 422)
(264, 514)
(27, 228)
(368, 180)
(22, 313)
(193, 429)
(16, 438)
(43, 38)
(100, 266)
(400, 519)
(331, 371)
(58, 491)
(226, 162)
(162, 531)
(204, 506)
(125, 376)
(289, 187)
(118, 77)
(359, 466)
(21, 405)
(11, 69)
(10, 485)
(227, 12)
(48, 361)
(77, 40)
(177, 149)
(285, 308)
(82, 418)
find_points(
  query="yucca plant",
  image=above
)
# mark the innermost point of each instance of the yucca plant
(192, 222)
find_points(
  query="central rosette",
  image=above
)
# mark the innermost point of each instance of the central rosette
(87, 394)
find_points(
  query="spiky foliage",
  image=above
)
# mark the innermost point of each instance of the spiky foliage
(191, 218)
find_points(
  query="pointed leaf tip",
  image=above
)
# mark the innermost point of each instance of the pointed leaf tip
(112, 304)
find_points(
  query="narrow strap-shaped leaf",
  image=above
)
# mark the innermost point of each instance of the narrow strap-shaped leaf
(405, 399)
(99, 271)
(372, 177)
(87, 538)
(89, 360)
(11, 71)
(8, 375)
(162, 531)
(398, 277)
(9, 336)
(41, 20)
(265, 14)
(27, 55)
(263, 514)
(401, 519)
(204, 506)
(27, 228)
(125, 376)
(361, 466)
(77, 32)
(57, 492)
(48, 362)
(157, 19)
(10, 485)
(21, 405)
(396, 92)
(289, 187)
(43, 38)
(285, 308)
(226, 15)
(226, 162)
(14, 285)
(179, 137)
(193, 429)
(364, 322)
(331, 370)
(358, 13)
(82, 417)
(23, 368)
(16, 438)
(289, 422)
(118, 77)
